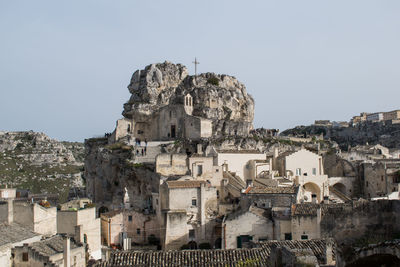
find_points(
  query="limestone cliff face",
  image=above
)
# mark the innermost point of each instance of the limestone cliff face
(220, 98)
(109, 173)
(30, 160)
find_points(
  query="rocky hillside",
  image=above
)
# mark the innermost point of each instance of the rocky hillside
(382, 133)
(221, 98)
(33, 161)
(111, 173)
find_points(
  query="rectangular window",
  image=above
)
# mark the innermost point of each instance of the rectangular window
(25, 256)
(288, 236)
(367, 183)
(194, 202)
(304, 237)
(138, 231)
(298, 172)
(130, 218)
(191, 234)
(199, 170)
(314, 171)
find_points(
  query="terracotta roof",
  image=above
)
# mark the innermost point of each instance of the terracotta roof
(318, 247)
(303, 209)
(51, 246)
(310, 209)
(209, 258)
(214, 257)
(111, 214)
(266, 213)
(239, 151)
(270, 190)
(184, 184)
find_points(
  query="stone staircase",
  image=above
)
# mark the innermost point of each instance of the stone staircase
(336, 196)
(149, 157)
(235, 184)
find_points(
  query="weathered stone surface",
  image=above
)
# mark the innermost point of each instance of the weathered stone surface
(220, 98)
(30, 160)
(382, 133)
(109, 172)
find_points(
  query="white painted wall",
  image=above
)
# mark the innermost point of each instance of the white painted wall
(247, 224)
(237, 162)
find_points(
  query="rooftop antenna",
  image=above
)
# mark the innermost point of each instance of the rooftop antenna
(195, 62)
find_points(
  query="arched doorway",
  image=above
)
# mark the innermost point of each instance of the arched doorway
(192, 245)
(102, 209)
(340, 187)
(218, 243)
(310, 189)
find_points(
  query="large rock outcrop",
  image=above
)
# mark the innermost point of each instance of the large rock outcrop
(220, 98)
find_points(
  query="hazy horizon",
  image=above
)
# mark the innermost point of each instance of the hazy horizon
(65, 66)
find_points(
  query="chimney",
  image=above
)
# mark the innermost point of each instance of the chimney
(199, 149)
(314, 198)
(67, 252)
(10, 210)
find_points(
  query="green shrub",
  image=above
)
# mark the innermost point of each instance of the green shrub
(213, 80)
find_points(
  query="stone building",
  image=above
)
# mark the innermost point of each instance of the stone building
(357, 119)
(138, 227)
(52, 252)
(168, 123)
(305, 169)
(306, 218)
(198, 166)
(38, 218)
(111, 228)
(375, 117)
(268, 196)
(380, 178)
(171, 164)
(186, 212)
(83, 225)
(12, 235)
(279, 200)
(246, 164)
(242, 227)
(391, 115)
(204, 168)
(8, 193)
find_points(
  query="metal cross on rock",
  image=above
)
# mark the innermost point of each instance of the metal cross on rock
(195, 62)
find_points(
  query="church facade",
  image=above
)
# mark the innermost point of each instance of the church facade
(171, 122)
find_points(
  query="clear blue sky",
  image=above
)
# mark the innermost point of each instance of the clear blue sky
(65, 65)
